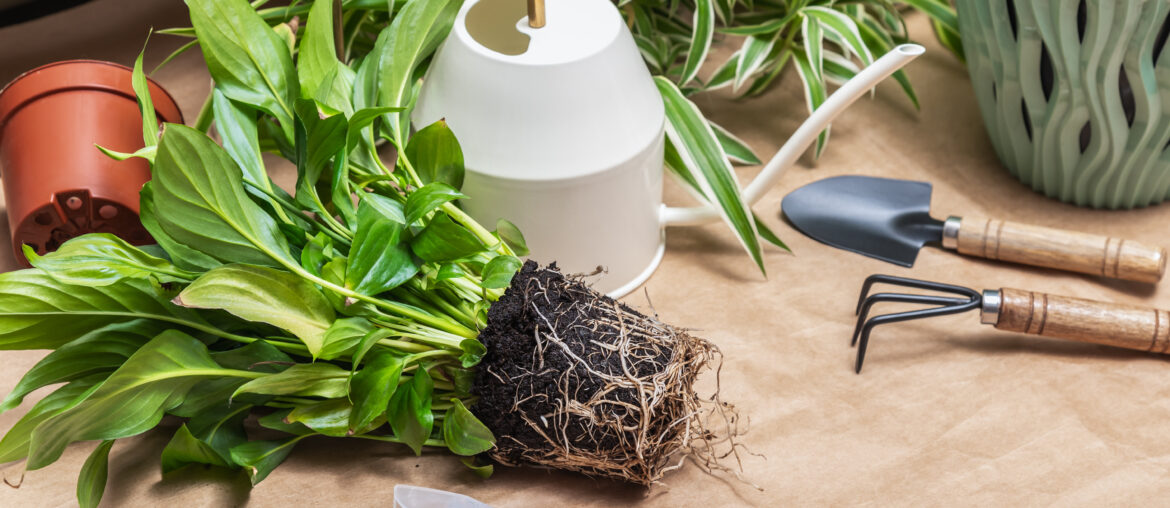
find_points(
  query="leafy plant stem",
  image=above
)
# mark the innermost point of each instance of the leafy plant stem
(331, 222)
(435, 352)
(290, 206)
(455, 212)
(206, 115)
(402, 310)
(403, 345)
(223, 372)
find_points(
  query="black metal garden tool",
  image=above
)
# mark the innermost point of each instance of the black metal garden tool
(890, 220)
(1015, 310)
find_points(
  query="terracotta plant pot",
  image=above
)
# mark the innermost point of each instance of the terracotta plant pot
(57, 184)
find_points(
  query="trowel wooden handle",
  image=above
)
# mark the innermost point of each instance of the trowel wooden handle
(1054, 248)
(1063, 317)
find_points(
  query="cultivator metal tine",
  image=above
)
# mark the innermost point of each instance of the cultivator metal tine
(943, 305)
(901, 298)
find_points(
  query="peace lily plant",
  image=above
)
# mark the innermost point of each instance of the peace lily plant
(826, 41)
(364, 305)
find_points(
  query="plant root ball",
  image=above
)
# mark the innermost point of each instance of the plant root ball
(574, 380)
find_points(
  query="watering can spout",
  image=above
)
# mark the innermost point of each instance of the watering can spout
(806, 134)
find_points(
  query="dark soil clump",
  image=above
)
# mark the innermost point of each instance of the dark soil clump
(574, 380)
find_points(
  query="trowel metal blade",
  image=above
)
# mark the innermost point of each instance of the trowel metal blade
(881, 218)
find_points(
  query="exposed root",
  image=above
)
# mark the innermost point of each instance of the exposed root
(574, 380)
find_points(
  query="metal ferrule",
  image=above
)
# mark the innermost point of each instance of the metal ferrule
(950, 239)
(992, 302)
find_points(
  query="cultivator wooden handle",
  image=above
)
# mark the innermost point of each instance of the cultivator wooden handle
(1017, 310)
(1055, 248)
(1078, 319)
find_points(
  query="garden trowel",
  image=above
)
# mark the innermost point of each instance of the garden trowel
(890, 220)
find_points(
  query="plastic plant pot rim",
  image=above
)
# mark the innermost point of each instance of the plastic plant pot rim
(59, 77)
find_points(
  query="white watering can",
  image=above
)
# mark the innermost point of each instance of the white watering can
(562, 131)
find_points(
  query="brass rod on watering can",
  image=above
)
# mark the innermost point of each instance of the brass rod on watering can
(536, 13)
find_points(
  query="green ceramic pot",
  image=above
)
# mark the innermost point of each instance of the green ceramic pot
(1075, 94)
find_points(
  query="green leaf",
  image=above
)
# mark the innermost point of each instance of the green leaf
(443, 240)
(473, 351)
(141, 88)
(811, 65)
(341, 191)
(704, 30)
(724, 75)
(236, 124)
(752, 55)
(464, 433)
(343, 336)
(766, 27)
(372, 387)
(409, 411)
(276, 421)
(481, 470)
(367, 342)
(264, 295)
(221, 428)
(448, 271)
(379, 259)
(183, 256)
(185, 449)
(133, 399)
(99, 352)
(102, 259)
(330, 417)
(321, 379)
(37, 312)
(842, 28)
(199, 201)
(249, 62)
(14, 445)
(878, 40)
(436, 155)
(365, 86)
(498, 272)
(413, 35)
(767, 234)
(699, 152)
(146, 152)
(336, 89)
(259, 458)
(814, 39)
(430, 197)
(320, 136)
(390, 209)
(213, 396)
(938, 10)
(259, 356)
(362, 119)
(91, 484)
(316, 253)
(814, 92)
(948, 36)
(511, 235)
(174, 54)
(737, 149)
(317, 57)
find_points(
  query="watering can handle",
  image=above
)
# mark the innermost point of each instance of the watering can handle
(804, 136)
